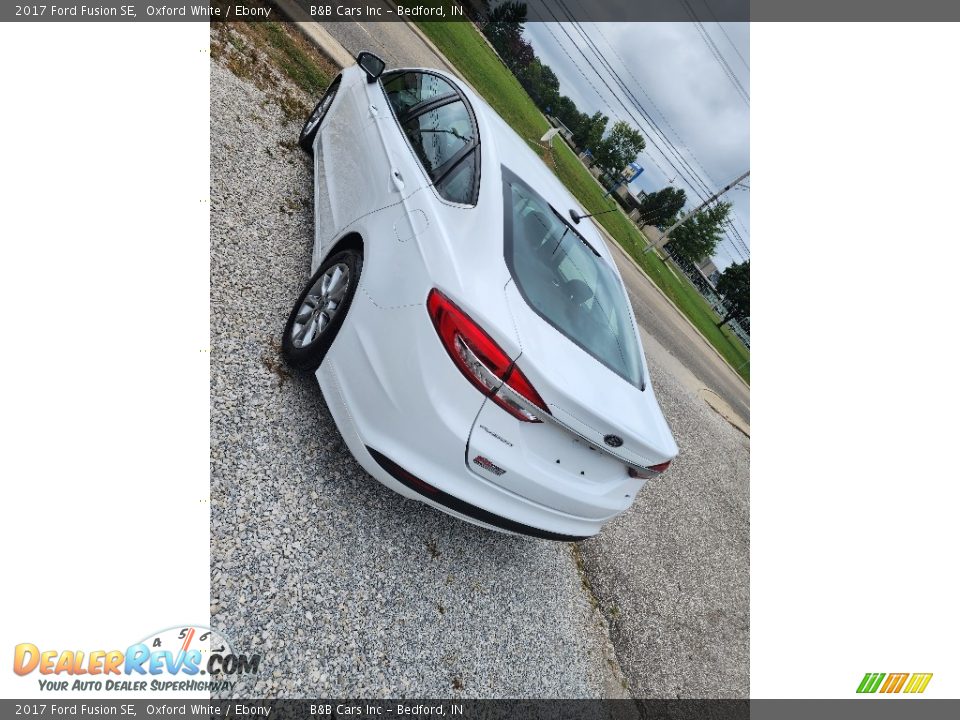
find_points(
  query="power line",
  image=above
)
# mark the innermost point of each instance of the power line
(606, 102)
(650, 122)
(732, 44)
(655, 133)
(666, 233)
(717, 55)
(655, 130)
(636, 102)
(622, 84)
(742, 245)
(626, 67)
(639, 106)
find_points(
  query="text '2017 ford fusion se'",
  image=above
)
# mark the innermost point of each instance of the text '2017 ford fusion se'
(471, 335)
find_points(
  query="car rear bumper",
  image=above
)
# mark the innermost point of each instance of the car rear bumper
(452, 504)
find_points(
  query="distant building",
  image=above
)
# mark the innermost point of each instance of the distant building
(629, 201)
(631, 172)
(708, 268)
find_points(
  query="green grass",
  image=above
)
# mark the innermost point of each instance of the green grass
(465, 48)
(254, 50)
(295, 61)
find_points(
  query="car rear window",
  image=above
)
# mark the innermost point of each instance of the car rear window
(566, 283)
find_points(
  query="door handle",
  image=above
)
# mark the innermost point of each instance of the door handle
(397, 179)
(374, 112)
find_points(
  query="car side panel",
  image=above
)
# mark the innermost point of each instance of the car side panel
(361, 164)
(405, 396)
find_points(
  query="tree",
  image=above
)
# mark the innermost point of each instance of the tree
(505, 25)
(699, 235)
(588, 133)
(511, 12)
(540, 82)
(661, 207)
(565, 109)
(477, 10)
(734, 285)
(519, 54)
(619, 148)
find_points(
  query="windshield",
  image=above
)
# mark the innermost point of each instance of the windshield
(564, 280)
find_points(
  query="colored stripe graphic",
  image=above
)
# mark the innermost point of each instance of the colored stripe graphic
(870, 682)
(918, 682)
(894, 682)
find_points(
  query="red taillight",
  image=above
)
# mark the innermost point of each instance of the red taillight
(658, 468)
(481, 360)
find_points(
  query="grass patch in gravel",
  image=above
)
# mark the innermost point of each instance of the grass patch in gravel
(262, 51)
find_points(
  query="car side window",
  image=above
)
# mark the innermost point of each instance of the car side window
(406, 90)
(438, 135)
(459, 184)
(442, 131)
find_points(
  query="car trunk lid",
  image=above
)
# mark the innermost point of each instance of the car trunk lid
(587, 398)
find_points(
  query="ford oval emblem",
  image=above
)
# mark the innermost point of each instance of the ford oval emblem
(613, 440)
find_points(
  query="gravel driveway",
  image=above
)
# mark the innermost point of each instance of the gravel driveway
(348, 589)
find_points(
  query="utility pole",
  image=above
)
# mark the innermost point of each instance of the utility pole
(681, 221)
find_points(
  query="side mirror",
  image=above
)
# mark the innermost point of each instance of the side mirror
(371, 64)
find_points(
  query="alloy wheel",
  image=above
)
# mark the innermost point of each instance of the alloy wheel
(318, 114)
(321, 305)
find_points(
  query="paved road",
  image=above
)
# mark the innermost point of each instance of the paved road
(668, 337)
(395, 42)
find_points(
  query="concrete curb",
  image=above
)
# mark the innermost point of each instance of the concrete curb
(434, 49)
(724, 410)
(323, 40)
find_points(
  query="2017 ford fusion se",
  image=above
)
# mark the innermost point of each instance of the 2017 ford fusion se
(469, 330)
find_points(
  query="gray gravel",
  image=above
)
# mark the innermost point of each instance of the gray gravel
(345, 587)
(672, 574)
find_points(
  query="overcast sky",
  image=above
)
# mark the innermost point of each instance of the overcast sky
(673, 72)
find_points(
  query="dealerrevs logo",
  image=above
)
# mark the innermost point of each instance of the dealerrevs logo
(182, 659)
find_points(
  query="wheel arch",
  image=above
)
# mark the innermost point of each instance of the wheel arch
(352, 241)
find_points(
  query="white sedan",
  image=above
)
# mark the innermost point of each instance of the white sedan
(469, 330)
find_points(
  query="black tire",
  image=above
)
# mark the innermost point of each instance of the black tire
(304, 345)
(315, 118)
